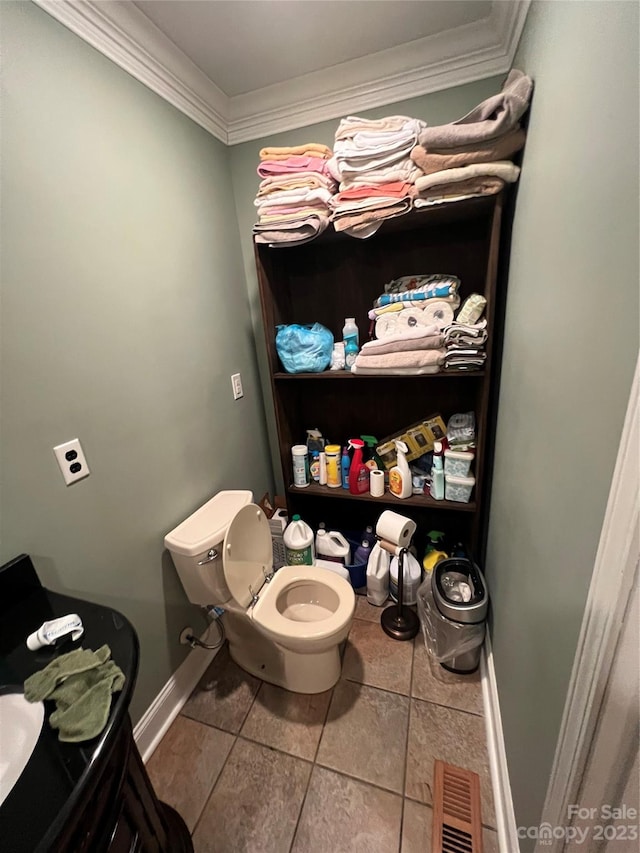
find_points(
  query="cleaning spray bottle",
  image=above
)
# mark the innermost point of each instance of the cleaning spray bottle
(400, 475)
(358, 472)
(437, 473)
(434, 551)
(345, 464)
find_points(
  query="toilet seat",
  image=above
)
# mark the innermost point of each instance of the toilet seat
(248, 562)
(268, 616)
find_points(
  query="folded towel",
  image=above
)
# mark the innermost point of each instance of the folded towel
(396, 371)
(296, 163)
(309, 149)
(80, 683)
(292, 233)
(415, 335)
(295, 181)
(354, 124)
(387, 345)
(491, 118)
(458, 190)
(503, 169)
(297, 196)
(367, 222)
(410, 358)
(501, 148)
(395, 189)
(401, 170)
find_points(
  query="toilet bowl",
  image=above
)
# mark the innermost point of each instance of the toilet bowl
(284, 627)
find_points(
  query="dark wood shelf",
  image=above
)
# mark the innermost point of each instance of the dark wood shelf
(355, 377)
(422, 501)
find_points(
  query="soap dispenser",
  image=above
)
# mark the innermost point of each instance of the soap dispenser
(400, 475)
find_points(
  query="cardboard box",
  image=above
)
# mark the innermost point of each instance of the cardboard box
(419, 438)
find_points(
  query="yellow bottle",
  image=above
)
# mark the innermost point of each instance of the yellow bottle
(434, 552)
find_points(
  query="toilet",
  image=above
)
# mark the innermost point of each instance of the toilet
(284, 627)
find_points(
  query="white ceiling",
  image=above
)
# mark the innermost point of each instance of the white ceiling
(246, 45)
(246, 69)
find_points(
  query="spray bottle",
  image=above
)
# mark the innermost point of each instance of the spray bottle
(400, 475)
(358, 472)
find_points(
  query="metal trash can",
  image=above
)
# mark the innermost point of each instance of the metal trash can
(460, 594)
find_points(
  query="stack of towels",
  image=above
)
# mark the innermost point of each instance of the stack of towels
(371, 161)
(410, 318)
(470, 157)
(293, 197)
(466, 336)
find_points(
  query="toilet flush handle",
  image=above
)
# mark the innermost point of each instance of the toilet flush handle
(212, 555)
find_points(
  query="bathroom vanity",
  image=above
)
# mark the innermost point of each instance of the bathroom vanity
(92, 796)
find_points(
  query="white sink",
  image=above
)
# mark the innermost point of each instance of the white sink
(20, 727)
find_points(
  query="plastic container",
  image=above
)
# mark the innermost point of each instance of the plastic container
(331, 545)
(400, 483)
(336, 568)
(433, 553)
(411, 577)
(298, 543)
(351, 338)
(457, 463)
(314, 468)
(345, 464)
(300, 456)
(363, 552)
(357, 571)
(459, 489)
(378, 576)
(358, 472)
(332, 456)
(437, 473)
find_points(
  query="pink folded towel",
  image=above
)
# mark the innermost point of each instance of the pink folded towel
(293, 164)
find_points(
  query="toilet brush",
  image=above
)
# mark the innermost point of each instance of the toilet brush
(397, 621)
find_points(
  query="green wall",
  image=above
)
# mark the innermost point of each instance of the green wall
(124, 313)
(570, 349)
(435, 108)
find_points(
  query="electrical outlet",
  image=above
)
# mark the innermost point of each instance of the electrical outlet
(236, 384)
(71, 460)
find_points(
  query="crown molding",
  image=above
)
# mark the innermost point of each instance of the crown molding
(461, 55)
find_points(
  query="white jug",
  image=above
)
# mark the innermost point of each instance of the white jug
(378, 576)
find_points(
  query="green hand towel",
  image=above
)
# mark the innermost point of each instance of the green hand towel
(41, 684)
(81, 684)
(83, 702)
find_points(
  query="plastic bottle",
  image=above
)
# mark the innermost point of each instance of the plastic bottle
(314, 468)
(351, 338)
(434, 552)
(358, 472)
(378, 576)
(369, 535)
(50, 632)
(371, 458)
(332, 455)
(437, 473)
(345, 464)
(362, 553)
(400, 483)
(300, 456)
(298, 543)
(323, 469)
(411, 577)
(331, 545)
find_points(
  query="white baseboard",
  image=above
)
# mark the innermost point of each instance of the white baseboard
(505, 815)
(169, 702)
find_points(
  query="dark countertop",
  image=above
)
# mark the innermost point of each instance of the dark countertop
(47, 792)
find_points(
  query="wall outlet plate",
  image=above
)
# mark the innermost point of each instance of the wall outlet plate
(236, 384)
(72, 462)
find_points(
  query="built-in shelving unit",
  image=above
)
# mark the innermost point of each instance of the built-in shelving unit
(336, 276)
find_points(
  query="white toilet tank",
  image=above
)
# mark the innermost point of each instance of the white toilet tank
(196, 547)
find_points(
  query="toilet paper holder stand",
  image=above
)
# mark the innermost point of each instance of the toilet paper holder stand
(394, 532)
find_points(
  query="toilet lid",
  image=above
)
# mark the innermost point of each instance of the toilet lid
(247, 554)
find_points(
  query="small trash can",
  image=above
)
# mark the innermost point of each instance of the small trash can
(458, 618)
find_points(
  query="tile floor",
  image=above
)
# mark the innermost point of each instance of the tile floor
(253, 768)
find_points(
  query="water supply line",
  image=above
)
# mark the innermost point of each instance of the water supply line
(212, 615)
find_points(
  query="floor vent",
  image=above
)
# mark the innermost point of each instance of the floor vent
(457, 822)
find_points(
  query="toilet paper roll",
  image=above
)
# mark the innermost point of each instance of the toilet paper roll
(376, 483)
(386, 325)
(395, 528)
(438, 313)
(409, 318)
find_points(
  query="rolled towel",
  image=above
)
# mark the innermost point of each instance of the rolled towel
(501, 148)
(490, 119)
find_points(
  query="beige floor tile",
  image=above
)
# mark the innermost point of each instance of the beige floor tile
(417, 828)
(288, 721)
(255, 804)
(434, 684)
(453, 736)
(369, 612)
(186, 764)
(341, 815)
(374, 658)
(365, 734)
(224, 695)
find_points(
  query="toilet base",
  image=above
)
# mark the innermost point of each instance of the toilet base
(260, 656)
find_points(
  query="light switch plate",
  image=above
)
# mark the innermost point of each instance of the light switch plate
(72, 462)
(236, 384)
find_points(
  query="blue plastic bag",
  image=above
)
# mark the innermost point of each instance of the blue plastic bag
(304, 349)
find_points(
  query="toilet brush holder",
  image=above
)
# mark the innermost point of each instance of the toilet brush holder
(397, 621)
